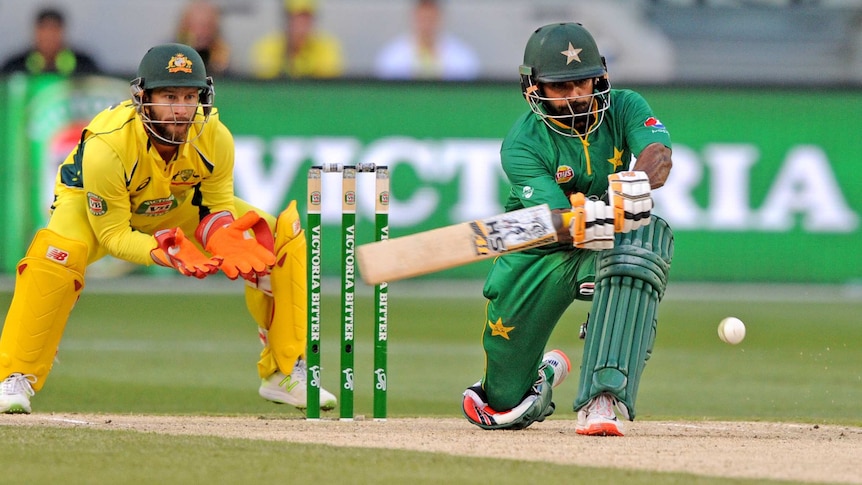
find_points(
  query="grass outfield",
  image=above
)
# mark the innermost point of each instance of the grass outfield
(195, 354)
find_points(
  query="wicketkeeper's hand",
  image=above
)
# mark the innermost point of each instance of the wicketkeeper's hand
(591, 223)
(174, 250)
(629, 198)
(231, 241)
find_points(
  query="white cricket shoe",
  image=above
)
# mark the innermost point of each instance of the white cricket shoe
(598, 417)
(558, 361)
(15, 393)
(292, 389)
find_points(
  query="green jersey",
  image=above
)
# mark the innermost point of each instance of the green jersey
(545, 167)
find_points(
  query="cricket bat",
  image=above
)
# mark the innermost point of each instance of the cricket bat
(456, 245)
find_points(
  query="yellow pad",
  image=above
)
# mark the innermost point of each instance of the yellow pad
(49, 281)
(286, 309)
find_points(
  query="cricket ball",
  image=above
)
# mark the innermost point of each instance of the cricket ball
(731, 330)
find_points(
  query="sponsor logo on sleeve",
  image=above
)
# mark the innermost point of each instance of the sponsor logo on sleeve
(655, 124)
(97, 205)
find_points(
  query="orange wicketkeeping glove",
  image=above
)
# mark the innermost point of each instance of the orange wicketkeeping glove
(241, 252)
(174, 250)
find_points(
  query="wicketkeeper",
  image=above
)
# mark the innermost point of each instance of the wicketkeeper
(151, 182)
(572, 151)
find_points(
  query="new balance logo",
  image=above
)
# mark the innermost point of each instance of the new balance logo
(57, 255)
(288, 384)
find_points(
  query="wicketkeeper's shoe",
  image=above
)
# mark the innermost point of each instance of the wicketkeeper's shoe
(283, 389)
(15, 393)
(558, 361)
(598, 417)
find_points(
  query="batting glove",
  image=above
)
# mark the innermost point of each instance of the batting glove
(629, 197)
(591, 223)
(242, 252)
(174, 250)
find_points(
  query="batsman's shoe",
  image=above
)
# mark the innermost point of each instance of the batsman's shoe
(558, 361)
(598, 417)
(15, 393)
(283, 389)
(534, 408)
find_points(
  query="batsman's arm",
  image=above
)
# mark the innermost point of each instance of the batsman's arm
(655, 160)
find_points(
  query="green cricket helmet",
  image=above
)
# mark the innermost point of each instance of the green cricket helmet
(558, 53)
(172, 65)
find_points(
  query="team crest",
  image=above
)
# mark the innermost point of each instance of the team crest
(564, 174)
(572, 54)
(179, 63)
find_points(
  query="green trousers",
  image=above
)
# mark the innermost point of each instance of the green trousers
(529, 292)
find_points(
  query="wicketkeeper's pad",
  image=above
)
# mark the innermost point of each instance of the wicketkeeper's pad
(49, 280)
(280, 306)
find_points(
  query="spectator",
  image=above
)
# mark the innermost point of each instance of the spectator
(301, 50)
(200, 27)
(49, 52)
(427, 52)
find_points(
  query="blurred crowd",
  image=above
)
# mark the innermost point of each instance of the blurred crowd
(643, 41)
(301, 49)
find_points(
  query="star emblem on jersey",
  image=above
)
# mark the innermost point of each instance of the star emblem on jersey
(617, 160)
(498, 329)
(571, 54)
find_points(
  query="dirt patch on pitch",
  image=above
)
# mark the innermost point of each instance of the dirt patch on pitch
(811, 453)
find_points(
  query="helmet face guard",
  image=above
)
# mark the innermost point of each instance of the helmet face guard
(172, 65)
(559, 53)
(569, 121)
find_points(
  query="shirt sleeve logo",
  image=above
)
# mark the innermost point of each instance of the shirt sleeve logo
(654, 123)
(96, 204)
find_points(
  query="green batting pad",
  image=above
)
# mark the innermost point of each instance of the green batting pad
(630, 281)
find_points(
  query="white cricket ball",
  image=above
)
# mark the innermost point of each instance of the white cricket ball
(731, 330)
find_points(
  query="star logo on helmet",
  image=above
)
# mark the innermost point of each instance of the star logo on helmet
(571, 54)
(179, 63)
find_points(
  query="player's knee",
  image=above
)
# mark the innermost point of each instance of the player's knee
(288, 225)
(643, 255)
(69, 253)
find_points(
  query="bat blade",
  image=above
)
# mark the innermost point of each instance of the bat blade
(456, 245)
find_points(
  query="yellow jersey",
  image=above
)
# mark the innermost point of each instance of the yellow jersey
(131, 192)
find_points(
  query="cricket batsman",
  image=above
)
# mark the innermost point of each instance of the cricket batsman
(572, 151)
(151, 182)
